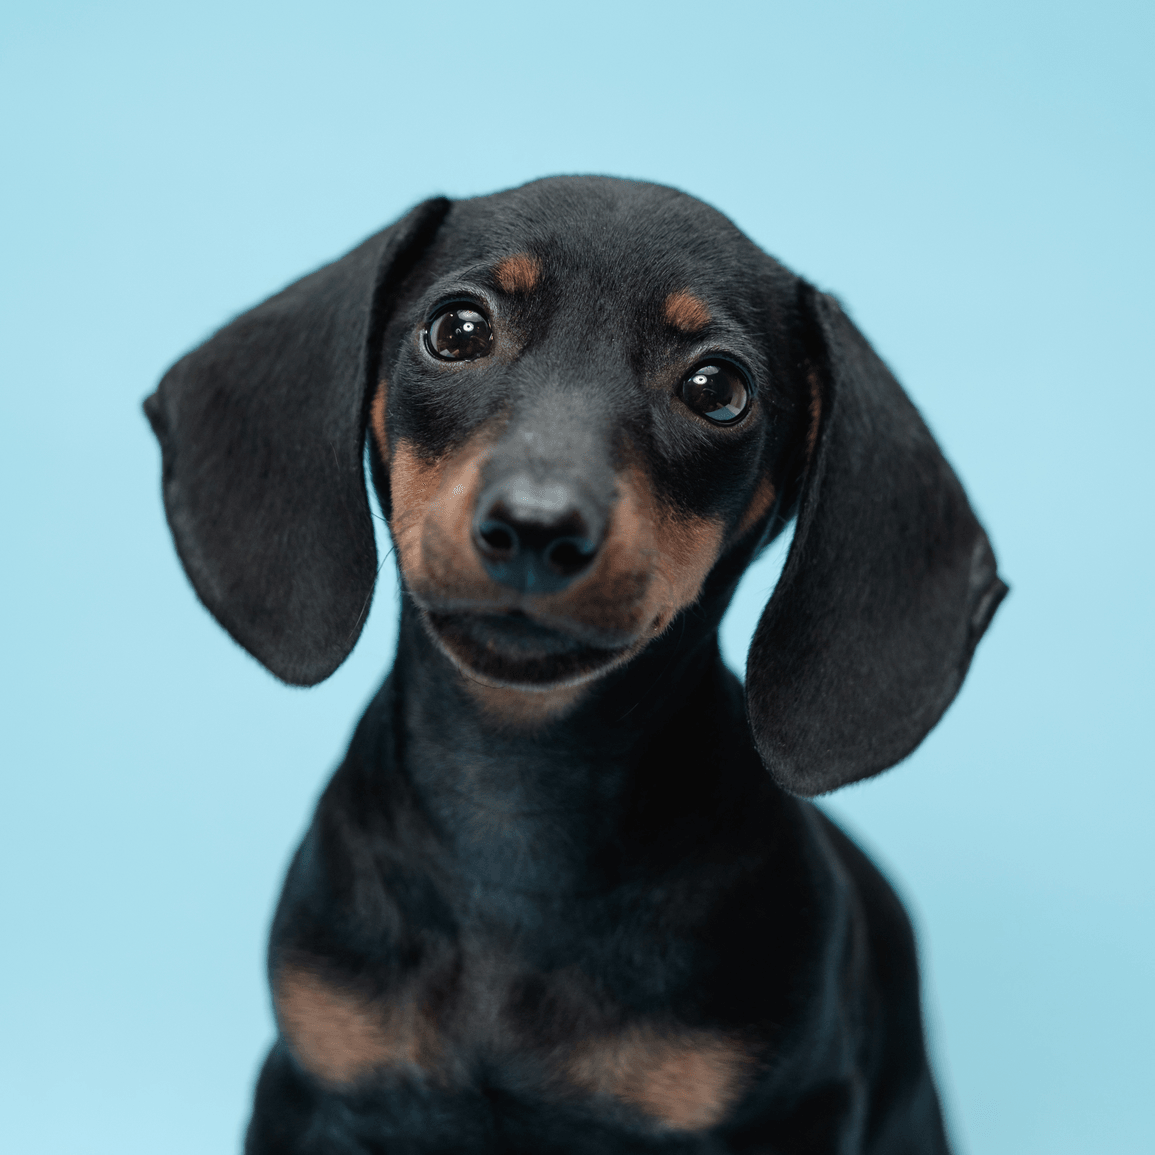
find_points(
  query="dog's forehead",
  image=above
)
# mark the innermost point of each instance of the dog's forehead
(630, 234)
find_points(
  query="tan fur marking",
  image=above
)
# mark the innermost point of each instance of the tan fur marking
(517, 274)
(687, 1080)
(760, 503)
(341, 1037)
(678, 552)
(651, 565)
(377, 418)
(524, 709)
(687, 549)
(691, 548)
(414, 485)
(685, 312)
(815, 415)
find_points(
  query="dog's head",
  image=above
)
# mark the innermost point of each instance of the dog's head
(583, 398)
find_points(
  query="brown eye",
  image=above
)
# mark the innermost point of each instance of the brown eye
(459, 333)
(718, 392)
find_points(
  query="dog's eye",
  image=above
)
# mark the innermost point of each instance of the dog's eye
(718, 392)
(459, 333)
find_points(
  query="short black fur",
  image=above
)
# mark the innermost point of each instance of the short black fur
(605, 929)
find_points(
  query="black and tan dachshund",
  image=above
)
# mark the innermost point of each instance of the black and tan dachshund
(563, 893)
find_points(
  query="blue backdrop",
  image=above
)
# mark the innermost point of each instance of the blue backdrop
(974, 180)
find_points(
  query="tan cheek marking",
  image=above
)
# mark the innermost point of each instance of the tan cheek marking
(340, 1037)
(517, 274)
(377, 418)
(678, 551)
(759, 505)
(629, 546)
(412, 485)
(691, 548)
(433, 505)
(686, 550)
(685, 312)
(688, 1080)
(448, 558)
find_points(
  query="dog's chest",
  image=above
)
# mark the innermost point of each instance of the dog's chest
(550, 1034)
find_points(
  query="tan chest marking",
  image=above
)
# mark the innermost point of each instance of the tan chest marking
(341, 1037)
(687, 1080)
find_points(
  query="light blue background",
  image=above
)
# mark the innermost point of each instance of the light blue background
(975, 181)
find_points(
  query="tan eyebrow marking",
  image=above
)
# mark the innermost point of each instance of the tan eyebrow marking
(517, 274)
(685, 312)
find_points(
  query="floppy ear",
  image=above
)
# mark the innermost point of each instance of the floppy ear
(888, 586)
(262, 430)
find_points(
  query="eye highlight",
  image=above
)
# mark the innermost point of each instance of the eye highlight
(719, 391)
(459, 333)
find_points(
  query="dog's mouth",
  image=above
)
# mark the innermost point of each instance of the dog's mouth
(511, 649)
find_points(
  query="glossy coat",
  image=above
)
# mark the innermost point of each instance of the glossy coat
(552, 900)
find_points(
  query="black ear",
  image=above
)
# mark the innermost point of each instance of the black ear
(889, 584)
(262, 430)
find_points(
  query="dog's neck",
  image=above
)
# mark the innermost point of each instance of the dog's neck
(532, 809)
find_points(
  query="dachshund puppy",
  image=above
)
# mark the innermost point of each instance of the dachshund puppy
(564, 893)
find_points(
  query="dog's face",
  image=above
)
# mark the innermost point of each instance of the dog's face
(576, 420)
(586, 399)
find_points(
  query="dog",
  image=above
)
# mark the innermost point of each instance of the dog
(566, 893)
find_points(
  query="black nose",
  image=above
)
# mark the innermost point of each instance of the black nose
(537, 536)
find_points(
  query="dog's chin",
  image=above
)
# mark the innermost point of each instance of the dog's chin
(511, 651)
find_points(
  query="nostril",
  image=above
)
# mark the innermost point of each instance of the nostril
(569, 555)
(536, 537)
(498, 537)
